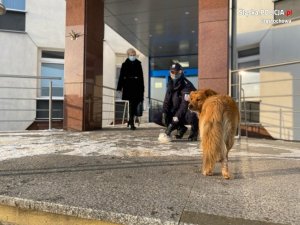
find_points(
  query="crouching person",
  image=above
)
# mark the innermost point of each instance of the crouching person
(175, 114)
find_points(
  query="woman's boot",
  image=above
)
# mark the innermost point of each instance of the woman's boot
(131, 124)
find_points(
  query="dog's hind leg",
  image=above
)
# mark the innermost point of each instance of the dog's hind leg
(229, 141)
(208, 165)
(225, 172)
(224, 161)
(230, 137)
(210, 142)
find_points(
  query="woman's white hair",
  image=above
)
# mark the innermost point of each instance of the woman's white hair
(130, 50)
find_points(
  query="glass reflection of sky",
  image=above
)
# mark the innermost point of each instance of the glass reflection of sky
(14, 4)
(253, 88)
(53, 70)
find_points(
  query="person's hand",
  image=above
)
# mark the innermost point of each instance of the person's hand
(164, 119)
(175, 119)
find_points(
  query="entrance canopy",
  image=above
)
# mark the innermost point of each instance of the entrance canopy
(156, 28)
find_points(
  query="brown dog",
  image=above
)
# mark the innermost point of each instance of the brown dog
(218, 121)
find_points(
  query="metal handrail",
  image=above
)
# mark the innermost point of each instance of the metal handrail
(265, 66)
(50, 78)
(242, 99)
(30, 77)
(148, 101)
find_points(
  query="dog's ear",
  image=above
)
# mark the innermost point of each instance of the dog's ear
(210, 92)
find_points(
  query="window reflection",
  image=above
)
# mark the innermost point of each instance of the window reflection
(14, 4)
(52, 70)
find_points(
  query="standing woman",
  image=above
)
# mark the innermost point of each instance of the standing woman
(131, 83)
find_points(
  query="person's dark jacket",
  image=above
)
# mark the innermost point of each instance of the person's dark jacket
(174, 103)
(131, 81)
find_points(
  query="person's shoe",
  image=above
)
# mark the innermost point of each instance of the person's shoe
(180, 132)
(193, 136)
(131, 125)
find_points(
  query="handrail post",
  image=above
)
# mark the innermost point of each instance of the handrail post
(280, 123)
(240, 104)
(50, 104)
(114, 107)
(245, 112)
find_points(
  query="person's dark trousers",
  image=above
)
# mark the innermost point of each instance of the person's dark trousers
(157, 118)
(190, 118)
(181, 129)
(132, 109)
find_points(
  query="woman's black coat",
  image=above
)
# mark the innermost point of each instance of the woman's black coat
(131, 81)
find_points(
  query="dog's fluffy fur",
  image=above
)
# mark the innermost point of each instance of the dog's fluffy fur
(218, 122)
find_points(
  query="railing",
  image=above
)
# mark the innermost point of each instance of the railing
(18, 97)
(276, 107)
(116, 111)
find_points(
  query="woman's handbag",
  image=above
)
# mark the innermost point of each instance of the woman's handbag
(139, 109)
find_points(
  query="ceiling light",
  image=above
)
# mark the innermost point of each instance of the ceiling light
(182, 63)
(185, 64)
(187, 13)
(184, 45)
(2, 8)
(242, 73)
(136, 19)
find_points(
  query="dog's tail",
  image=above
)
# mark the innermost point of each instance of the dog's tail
(213, 144)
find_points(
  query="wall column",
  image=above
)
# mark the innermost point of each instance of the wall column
(213, 50)
(83, 65)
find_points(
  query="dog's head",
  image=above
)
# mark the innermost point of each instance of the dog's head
(197, 98)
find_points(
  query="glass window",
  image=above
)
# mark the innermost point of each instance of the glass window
(52, 65)
(250, 111)
(13, 20)
(14, 4)
(248, 52)
(53, 55)
(250, 86)
(52, 70)
(250, 79)
(42, 111)
(15, 17)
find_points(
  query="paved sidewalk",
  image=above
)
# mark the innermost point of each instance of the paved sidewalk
(128, 177)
